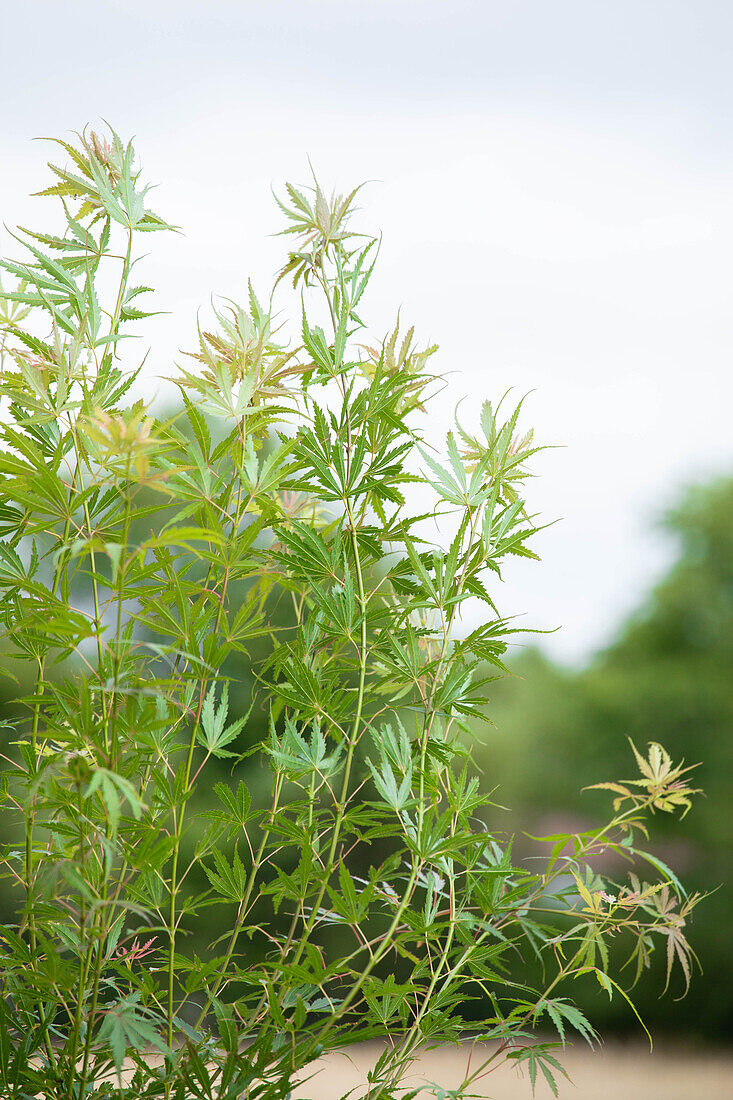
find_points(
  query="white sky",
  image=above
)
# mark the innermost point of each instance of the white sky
(553, 183)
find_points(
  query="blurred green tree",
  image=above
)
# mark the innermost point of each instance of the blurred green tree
(667, 678)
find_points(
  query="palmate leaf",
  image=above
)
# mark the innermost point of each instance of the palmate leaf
(108, 183)
(662, 781)
(129, 1024)
(213, 733)
(300, 756)
(236, 803)
(230, 879)
(397, 798)
(538, 1058)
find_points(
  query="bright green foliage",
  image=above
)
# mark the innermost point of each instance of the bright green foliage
(138, 556)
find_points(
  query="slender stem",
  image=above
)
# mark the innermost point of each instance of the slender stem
(115, 323)
(180, 815)
(110, 715)
(111, 749)
(355, 731)
(378, 955)
(31, 812)
(84, 956)
(175, 884)
(243, 907)
(98, 964)
(353, 742)
(404, 1051)
(38, 694)
(110, 725)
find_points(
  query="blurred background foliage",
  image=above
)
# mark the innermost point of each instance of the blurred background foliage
(667, 678)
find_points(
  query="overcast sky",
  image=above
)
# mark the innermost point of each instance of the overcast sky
(553, 182)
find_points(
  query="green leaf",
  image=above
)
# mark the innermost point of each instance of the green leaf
(213, 733)
(114, 789)
(561, 1012)
(127, 1024)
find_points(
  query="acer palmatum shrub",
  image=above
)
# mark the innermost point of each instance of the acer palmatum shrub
(365, 899)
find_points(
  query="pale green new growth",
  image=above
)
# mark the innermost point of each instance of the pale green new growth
(365, 898)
